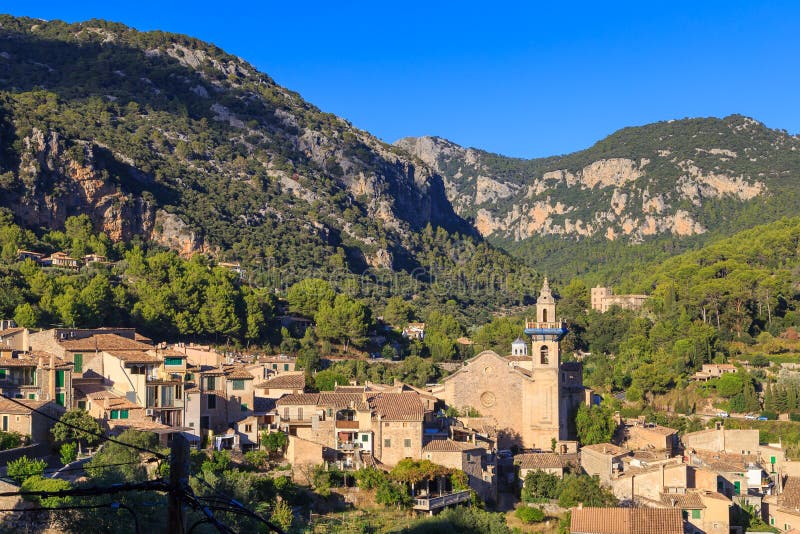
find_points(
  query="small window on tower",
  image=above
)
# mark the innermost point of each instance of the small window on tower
(544, 315)
(544, 354)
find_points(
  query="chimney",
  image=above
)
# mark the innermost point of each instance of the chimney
(52, 377)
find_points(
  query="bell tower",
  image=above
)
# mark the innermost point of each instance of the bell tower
(544, 410)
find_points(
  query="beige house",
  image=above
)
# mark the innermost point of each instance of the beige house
(360, 427)
(35, 376)
(279, 364)
(549, 462)
(705, 512)
(61, 259)
(15, 338)
(782, 511)
(650, 436)
(530, 401)
(713, 370)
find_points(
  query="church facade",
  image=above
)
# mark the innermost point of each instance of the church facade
(530, 397)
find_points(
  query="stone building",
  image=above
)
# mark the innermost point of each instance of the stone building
(472, 459)
(530, 400)
(603, 298)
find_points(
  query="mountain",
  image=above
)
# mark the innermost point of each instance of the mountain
(668, 185)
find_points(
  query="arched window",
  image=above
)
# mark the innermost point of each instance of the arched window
(544, 352)
(544, 315)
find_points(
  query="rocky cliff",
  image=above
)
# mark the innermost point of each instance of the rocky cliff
(676, 178)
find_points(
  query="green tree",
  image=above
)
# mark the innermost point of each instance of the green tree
(308, 295)
(348, 320)
(594, 424)
(68, 452)
(77, 426)
(26, 315)
(274, 442)
(328, 379)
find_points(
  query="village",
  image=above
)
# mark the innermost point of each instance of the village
(502, 420)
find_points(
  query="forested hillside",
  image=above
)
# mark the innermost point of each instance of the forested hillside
(664, 187)
(168, 139)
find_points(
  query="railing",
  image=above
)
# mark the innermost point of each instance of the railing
(544, 325)
(348, 445)
(434, 503)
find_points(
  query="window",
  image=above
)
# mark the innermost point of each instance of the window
(544, 315)
(469, 457)
(286, 413)
(173, 361)
(544, 354)
(330, 412)
(82, 405)
(2, 373)
(243, 407)
(123, 414)
(275, 366)
(238, 385)
(78, 363)
(31, 396)
(5, 423)
(365, 437)
(59, 379)
(189, 377)
(406, 443)
(205, 421)
(695, 514)
(387, 443)
(248, 428)
(191, 424)
(385, 424)
(211, 383)
(114, 414)
(300, 413)
(212, 402)
(285, 366)
(60, 399)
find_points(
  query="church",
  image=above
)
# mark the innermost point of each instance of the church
(528, 398)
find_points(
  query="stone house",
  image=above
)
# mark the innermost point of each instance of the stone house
(713, 370)
(280, 385)
(62, 260)
(705, 512)
(603, 298)
(22, 417)
(479, 465)
(414, 331)
(549, 462)
(15, 338)
(650, 436)
(278, 364)
(35, 376)
(603, 460)
(782, 511)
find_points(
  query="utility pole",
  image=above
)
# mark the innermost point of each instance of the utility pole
(178, 481)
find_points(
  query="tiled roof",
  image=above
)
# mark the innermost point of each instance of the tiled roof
(513, 358)
(9, 407)
(539, 460)
(288, 381)
(9, 331)
(448, 445)
(103, 342)
(605, 448)
(133, 356)
(263, 405)
(303, 399)
(663, 430)
(343, 400)
(626, 521)
(790, 496)
(239, 373)
(350, 389)
(398, 406)
(684, 501)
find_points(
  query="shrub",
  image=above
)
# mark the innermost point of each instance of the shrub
(10, 440)
(282, 515)
(370, 478)
(274, 441)
(257, 459)
(769, 414)
(23, 468)
(68, 452)
(37, 483)
(526, 514)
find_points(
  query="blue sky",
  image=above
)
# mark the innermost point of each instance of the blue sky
(523, 79)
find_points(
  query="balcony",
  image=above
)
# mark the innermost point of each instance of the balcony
(347, 425)
(431, 504)
(348, 446)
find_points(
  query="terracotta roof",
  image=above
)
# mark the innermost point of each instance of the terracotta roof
(239, 373)
(343, 400)
(350, 389)
(626, 521)
(684, 501)
(658, 429)
(263, 405)
(790, 496)
(448, 445)
(103, 342)
(133, 356)
(605, 448)
(298, 399)
(288, 381)
(9, 407)
(539, 460)
(398, 406)
(117, 403)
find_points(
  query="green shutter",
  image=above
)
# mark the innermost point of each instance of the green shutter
(173, 361)
(31, 396)
(238, 385)
(285, 366)
(123, 414)
(114, 414)
(60, 399)
(78, 361)
(82, 405)
(737, 487)
(772, 459)
(59, 379)
(2, 373)
(695, 514)
(243, 407)
(365, 437)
